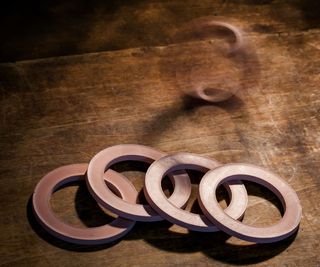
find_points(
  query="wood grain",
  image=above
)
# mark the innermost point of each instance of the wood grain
(62, 110)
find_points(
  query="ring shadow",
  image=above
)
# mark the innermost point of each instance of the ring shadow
(215, 245)
(159, 235)
(46, 236)
(247, 61)
(90, 213)
(187, 106)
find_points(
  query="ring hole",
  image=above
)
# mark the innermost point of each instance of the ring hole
(193, 204)
(167, 186)
(73, 204)
(213, 91)
(223, 197)
(135, 171)
(216, 94)
(264, 208)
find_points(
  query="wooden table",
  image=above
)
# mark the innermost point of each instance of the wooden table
(62, 110)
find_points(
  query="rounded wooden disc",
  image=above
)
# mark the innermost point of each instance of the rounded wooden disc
(84, 236)
(173, 213)
(231, 172)
(105, 197)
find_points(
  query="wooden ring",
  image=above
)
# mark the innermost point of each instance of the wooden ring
(82, 236)
(231, 172)
(237, 48)
(198, 24)
(105, 197)
(174, 214)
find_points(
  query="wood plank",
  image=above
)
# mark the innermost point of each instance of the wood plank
(59, 28)
(63, 110)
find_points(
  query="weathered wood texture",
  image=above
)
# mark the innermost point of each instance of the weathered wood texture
(63, 110)
(36, 29)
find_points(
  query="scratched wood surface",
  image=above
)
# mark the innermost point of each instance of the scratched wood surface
(62, 110)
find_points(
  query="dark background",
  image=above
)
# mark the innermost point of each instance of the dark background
(79, 76)
(37, 29)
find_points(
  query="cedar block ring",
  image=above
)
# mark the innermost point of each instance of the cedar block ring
(174, 214)
(82, 236)
(106, 198)
(231, 172)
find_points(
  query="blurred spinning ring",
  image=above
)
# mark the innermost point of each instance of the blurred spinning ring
(82, 236)
(105, 197)
(231, 172)
(174, 214)
(197, 78)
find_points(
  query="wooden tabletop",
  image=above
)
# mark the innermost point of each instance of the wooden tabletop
(59, 109)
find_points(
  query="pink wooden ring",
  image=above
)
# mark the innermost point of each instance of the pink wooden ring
(236, 48)
(87, 236)
(174, 214)
(230, 172)
(105, 197)
(240, 41)
(197, 25)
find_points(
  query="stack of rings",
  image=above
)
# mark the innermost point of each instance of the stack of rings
(102, 182)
